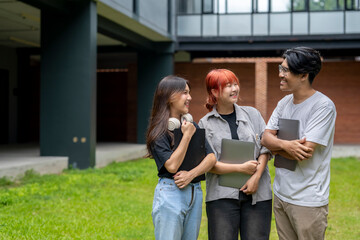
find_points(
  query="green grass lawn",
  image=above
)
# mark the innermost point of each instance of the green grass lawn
(115, 203)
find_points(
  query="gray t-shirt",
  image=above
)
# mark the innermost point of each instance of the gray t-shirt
(309, 184)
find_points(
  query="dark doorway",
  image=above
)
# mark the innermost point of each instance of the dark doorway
(29, 99)
(111, 106)
(4, 106)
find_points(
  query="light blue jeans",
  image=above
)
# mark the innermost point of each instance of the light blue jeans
(176, 212)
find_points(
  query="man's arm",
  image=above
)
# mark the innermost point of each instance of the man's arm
(295, 149)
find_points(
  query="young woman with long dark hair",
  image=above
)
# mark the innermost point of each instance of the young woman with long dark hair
(177, 204)
(230, 210)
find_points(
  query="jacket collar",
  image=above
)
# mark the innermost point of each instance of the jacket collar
(240, 113)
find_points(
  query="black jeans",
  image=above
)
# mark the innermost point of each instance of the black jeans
(227, 216)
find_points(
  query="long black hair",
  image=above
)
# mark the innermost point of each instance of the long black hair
(165, 92)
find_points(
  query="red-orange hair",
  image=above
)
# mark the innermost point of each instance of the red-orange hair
(217, 79)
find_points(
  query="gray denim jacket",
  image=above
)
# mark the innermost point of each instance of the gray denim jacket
(251, 125)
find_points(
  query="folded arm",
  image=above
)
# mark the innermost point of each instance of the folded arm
(295, 149)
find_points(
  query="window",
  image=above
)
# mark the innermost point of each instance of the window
(280, 5)
(208, 6)
(189, 6)
(326, 5)
(300, 5)
(352, 4)
(261, 5)
(236, 6)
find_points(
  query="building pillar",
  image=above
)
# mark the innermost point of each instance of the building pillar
(152, 67)
(261, 86)
(68, 84)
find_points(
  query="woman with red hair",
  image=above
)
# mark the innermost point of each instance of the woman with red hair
(230, 210)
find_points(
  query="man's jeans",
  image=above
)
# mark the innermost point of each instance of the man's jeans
(177, 212)
(227, 216)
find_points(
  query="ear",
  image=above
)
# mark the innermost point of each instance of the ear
(215, 92)
(304, 76)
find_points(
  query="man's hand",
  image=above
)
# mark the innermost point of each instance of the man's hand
(297, 149)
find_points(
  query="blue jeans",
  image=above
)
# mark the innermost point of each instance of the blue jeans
(227, 216)
(176, 212)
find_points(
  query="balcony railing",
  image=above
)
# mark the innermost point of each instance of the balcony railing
(214, 20)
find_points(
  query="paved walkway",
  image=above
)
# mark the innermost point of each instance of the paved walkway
(15, 160)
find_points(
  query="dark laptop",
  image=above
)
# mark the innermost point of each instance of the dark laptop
(288, 130)
(195, 152)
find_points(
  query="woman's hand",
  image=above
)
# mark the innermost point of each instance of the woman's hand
(251, 185)
(183, 178)
(188, 128)
(249, 167)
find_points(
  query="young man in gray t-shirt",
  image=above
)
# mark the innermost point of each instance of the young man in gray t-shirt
(302, 196)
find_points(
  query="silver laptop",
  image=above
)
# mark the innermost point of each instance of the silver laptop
(235, 151)
(288, 130)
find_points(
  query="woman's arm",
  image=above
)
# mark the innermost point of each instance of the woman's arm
(177, 157)
(248, 167)
(252, 184)
(183, 178)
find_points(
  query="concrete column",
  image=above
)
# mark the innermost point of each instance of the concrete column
(68, 84)
(152, 67)
(261, 86)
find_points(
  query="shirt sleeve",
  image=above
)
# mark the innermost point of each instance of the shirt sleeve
(161, 151)
(260, 131)
(273, 123)
(208, 148)
(321, 125)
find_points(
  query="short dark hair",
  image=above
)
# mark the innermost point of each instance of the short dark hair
(303, 60)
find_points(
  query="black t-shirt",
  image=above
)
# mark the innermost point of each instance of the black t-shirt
(161, 150)
(231, 119)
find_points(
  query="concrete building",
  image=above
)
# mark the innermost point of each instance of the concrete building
(77, 72)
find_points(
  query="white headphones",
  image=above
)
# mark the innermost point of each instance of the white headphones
(175, 123)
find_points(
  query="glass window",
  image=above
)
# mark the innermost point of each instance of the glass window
(299, 5)
(326, 5)
(208, 6)
(261, 6)
(221, 6)
(189, 25)
(352, 4)
(189, 6)
(280, 5)
(236, 6)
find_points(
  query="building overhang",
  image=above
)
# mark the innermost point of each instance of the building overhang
(332, 45)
